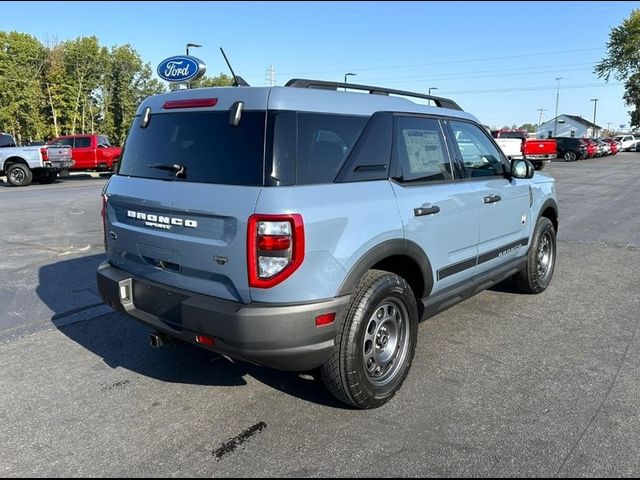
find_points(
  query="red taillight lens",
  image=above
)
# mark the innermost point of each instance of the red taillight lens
(274, 242)
(275, 248)
(45, 154)
(192, 103)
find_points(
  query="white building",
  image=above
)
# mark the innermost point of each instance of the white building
(568, 126)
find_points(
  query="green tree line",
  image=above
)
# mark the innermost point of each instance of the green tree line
(623, 62)
(75, 86)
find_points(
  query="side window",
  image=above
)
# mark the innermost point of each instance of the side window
(480, 156)
(64, 141)
(83, 142)
(420, 150)
(104, 141)
(309, 148)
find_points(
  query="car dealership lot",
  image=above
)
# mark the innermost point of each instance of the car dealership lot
(502, 384)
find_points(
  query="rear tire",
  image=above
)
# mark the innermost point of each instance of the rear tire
(541, 260)
(538, 165)
(19, 175)
(570, 157)
(375, 342)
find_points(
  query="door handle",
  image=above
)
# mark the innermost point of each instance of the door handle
(492, 198)
(422, 211)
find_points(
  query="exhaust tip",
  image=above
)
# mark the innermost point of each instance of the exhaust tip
(157, 340)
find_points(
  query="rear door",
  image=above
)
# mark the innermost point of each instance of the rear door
(186, 226)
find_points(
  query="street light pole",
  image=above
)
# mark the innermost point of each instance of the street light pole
(431, 88)
(194, 45)
(595, 103)
(555, 121)
(345, 79)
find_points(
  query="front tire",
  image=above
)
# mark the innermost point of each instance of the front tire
(569, 157)
(375, 344)
(19, 175)
(541, 260)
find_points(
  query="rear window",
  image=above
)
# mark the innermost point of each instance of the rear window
(518, 135)
(210, 149)
(6, 141)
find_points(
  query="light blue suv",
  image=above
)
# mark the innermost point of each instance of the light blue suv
(303, 227)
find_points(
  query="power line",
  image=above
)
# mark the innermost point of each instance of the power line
(449, 62)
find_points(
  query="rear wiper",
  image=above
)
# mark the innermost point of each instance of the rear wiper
(179, 169)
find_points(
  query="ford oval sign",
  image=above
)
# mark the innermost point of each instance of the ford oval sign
(181, 68)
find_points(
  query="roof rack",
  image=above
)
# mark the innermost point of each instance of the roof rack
(325, 85)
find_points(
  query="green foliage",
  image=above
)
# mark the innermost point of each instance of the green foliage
(71, 87)
(221, 80)
(528, 127)
(623, 61)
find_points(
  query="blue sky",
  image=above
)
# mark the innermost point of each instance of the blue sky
(498, 60)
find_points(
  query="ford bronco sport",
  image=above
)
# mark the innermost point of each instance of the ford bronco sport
(302, 227)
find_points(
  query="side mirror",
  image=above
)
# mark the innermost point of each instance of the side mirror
(522, 168)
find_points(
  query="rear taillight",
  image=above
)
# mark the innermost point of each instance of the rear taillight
(103, 214)
(45, 154)
(275, 248)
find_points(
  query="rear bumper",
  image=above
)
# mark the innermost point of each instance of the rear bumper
(539, 158)
(279, 336)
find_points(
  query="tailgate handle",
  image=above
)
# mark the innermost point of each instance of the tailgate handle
(162, 264)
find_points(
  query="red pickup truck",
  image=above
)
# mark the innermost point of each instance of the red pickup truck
(90, 152)
(515, 144)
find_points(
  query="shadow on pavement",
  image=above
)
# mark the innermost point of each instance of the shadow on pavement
(122, 342)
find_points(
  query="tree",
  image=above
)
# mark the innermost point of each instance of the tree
(623, 62)
(127, 81)
(528, 127)
(21, 100)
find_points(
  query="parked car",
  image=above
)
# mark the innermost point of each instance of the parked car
(637, 147)
(571, 149)
(302, 226)
(604, 148)
(613, 145)
(517, 144)
(592, 147)
(22, 165)
(90, 152)
(627, 142)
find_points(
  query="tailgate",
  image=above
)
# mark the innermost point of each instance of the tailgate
(58, 153)
(540, 147)
(187, 184)
(188, 236)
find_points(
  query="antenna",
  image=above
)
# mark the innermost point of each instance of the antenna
(237, 81)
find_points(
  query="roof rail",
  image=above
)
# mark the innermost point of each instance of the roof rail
(325, 85)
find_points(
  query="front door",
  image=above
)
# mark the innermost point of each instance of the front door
(504, 204)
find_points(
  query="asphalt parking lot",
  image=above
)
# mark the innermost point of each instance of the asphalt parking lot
(502, 384)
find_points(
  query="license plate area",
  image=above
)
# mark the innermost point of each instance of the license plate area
(158, 301)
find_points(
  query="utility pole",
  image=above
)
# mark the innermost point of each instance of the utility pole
(555, 121)
(541, 110)
(595, 103)
(271, 76)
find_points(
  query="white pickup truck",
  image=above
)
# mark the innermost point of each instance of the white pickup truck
(22, 165)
